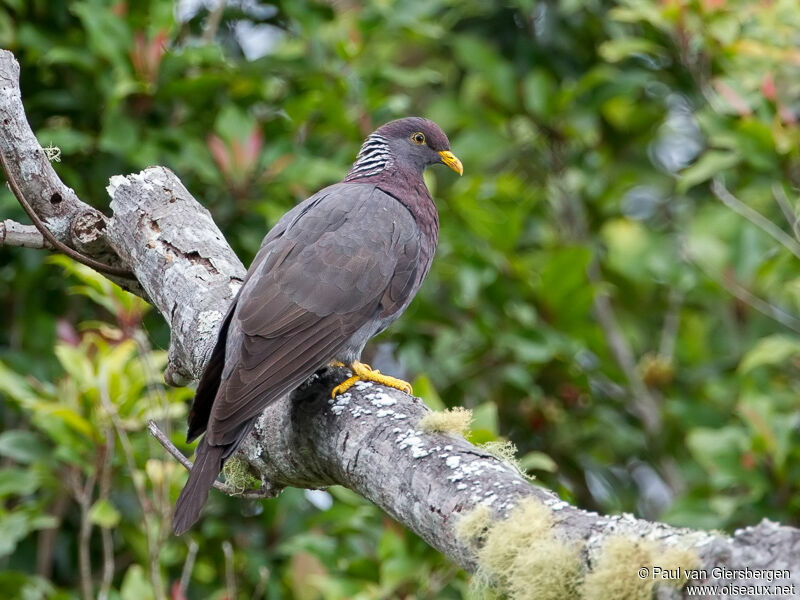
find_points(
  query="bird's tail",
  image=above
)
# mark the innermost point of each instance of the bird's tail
(207, 465)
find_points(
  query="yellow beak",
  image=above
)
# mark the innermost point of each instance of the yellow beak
(451, 161)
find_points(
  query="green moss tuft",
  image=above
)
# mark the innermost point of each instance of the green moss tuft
(507, 452)
(676, 557)
(521, 557)
(453, 420)
(238, 476)
(615, 572)
(548, 570)
(472, 526)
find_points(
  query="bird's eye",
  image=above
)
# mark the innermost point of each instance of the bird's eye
(418, 138)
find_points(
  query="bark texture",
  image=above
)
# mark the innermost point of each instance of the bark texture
(24, 236)
(180, 257)
(368, 439)
(72, 221)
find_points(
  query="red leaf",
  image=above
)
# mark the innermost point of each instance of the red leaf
(66, 333)
(175, 592)
(254, 145)
(768, 87)
(219, 152)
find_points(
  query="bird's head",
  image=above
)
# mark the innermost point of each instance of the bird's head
(420, 141)
(414, 143)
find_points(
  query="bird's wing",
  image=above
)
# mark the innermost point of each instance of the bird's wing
(337, 261)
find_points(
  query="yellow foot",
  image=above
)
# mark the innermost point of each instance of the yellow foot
(336, 363)
(362, 372)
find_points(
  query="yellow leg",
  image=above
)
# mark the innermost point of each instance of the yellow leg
(336, 363)
(363, 372)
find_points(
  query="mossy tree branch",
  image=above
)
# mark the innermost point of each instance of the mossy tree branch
(369, 439)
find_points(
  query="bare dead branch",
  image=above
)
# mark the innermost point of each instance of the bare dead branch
(23, 236)
(166, 443)
(55, 208)
(52, 240)
(175, 250)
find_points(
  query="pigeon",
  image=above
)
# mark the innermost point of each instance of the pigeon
(333, 272)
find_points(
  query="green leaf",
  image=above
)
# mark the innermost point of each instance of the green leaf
(719, 452)
(710, 164)
(538, 90)
(772, 350)
(16, 584)
(76, 364)
(67, 416)
(104, 514)
(484, 423)
(18, 482)
(135, 585)
(22, 446)
(622, 48)
(16, 387)
(14, 526)
(538, 461)
(423, 387)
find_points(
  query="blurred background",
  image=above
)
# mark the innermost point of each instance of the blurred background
(605, 294)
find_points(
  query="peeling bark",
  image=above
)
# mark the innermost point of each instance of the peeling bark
(181, 258)
(366, 439)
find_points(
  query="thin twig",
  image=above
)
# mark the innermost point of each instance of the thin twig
(166, 443)
(105, 532)
(756, 218)
(154, 548)
(261, 587)
(214, 19)
(786, 208)
(83, 494)
(84, 560)
(188, 567)
(672, 319)
(73, 254)
(45, 544)
(745, 295)
(645, 403)
(161, 489)
(230, 576)
(571, 215)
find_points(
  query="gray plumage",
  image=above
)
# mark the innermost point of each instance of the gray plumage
(334, 271)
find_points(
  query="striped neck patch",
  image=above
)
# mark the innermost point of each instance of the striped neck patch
(373, 158)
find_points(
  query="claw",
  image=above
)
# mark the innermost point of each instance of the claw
(344, 386)
(363, 372)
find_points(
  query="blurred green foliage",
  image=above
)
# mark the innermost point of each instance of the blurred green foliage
(590, 131)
